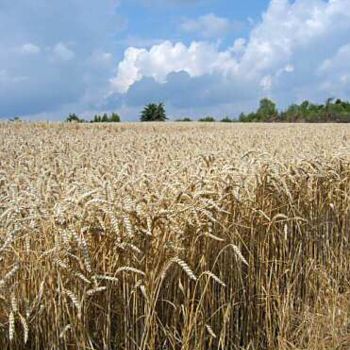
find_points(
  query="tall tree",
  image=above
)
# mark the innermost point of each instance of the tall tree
(74, 118)
(115, 118)
(267, 110)
(153, 112)
(105, 118)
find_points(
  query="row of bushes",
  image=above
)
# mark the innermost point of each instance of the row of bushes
(105, 118)
(208, 119)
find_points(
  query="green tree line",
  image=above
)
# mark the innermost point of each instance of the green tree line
(105, 118)
(333, 110)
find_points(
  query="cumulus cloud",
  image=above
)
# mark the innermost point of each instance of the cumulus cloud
(298, 49)
(197, 59)
(184, 91)
(238, 47)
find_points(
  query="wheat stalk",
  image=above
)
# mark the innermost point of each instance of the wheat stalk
(11, 326)
(185, 268)
(104, 228)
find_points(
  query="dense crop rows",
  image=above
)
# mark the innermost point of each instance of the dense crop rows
(172, 236)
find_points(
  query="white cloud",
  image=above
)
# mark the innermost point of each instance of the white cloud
(334, 73)
(238, 46)
(341, 60)
(281, 57)
(266, 83)
(29, 49)
(62, 52)
(289, 68)
(207, 26)
(198, 59)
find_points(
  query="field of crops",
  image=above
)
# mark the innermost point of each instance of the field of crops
(174, 236)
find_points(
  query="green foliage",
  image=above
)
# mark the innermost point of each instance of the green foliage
(333, 110)
(113, 118)
(267, 112)
(186, 119)
(207, 119)
(97, 119)
(105, 118)
(15, 119)
(337, 111)
(153, 113)
(251, 117)
(74, 118)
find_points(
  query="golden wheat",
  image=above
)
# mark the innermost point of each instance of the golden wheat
(174, 236)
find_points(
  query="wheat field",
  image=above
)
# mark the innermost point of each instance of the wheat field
(174, 236)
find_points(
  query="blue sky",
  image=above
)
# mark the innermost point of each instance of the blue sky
(199, 57)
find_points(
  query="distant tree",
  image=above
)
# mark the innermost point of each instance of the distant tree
(97, 119)
(114, 118)
(336, 111)
(153, 112)
(267, 110)
(242, 118)
(15, 119)
(247, 118)
(305, 105)
(292, 114)
(105, 118)
(186, 119)
(226, 120)
(338, 101)
(207, 119)
(74, 118)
